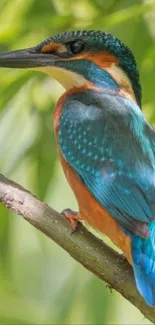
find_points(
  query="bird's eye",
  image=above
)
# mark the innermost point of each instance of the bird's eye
(77, 46)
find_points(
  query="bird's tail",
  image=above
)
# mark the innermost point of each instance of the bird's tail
(143, 256)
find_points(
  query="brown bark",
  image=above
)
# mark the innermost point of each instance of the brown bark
(83, 246)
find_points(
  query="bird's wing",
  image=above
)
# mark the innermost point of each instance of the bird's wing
(108, 156)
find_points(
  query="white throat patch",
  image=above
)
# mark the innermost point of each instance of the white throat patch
(67, 79)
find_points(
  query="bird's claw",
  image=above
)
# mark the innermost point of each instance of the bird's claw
(72, 217)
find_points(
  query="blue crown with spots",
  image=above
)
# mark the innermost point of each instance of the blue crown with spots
(98, 40)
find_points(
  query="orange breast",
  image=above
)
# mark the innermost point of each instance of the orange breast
(94, 214)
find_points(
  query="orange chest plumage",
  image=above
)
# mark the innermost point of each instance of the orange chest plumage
(89, 209)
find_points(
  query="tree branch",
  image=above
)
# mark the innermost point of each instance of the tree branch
(83, 246)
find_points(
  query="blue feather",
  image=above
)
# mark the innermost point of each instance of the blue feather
(110, 146)
(91, 139)
(143, 255)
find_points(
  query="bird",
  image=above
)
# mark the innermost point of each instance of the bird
(105, 144)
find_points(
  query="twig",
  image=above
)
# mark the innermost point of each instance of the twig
(83, 246)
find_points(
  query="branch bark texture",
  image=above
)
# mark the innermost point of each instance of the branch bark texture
(83, 246)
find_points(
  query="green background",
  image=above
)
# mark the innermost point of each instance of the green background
(39, 282)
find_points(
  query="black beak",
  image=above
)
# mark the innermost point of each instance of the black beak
(26, 58)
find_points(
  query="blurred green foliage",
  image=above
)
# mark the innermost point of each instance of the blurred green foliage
(39, 282)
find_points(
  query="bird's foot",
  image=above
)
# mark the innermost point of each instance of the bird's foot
(72, 217)
(123, 257)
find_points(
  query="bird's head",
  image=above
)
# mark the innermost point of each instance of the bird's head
(81, 57)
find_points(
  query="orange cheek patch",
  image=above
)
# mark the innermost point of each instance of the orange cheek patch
(101, 58)
(53, 47)
(107, 61)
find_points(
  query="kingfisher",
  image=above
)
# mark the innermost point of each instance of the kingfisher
(105, 144)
